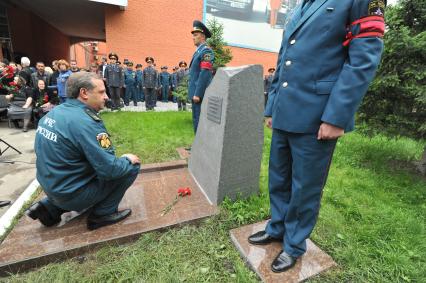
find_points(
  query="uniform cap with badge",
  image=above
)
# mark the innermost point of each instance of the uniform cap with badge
(200, 27)
(149, 59)
(182, 64)
(113, 55)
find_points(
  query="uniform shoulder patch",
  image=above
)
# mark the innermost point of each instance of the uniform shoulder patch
(92, 115)
(377, 8)
(103, 140)
(207, 57)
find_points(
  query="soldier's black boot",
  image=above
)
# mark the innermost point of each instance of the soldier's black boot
(38, 211)
(94, 221)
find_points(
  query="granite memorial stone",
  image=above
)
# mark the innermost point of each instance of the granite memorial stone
(227, 151)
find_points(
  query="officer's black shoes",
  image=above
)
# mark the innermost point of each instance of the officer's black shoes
(95, 222)
(262, 238)
(283, 262)
(38, 211)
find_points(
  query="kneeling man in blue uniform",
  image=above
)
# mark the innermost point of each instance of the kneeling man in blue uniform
(76, 163)
(329, 55)
(200, 69)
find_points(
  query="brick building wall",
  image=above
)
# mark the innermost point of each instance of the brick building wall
(161, 29)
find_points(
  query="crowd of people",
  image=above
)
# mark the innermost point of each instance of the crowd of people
(33, 91)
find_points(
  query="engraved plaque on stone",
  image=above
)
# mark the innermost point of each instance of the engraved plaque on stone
(214, 109)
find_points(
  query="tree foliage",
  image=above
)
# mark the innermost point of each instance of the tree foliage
(222, 54)
(396, 100)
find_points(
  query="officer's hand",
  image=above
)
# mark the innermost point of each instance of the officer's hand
(132, 158)
(196, 99)
(329, 132)
(268, 122)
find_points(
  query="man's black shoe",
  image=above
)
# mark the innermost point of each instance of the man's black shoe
(262, 238)
(4, 202)
(283, 262)
(38, 211)
(95, 222)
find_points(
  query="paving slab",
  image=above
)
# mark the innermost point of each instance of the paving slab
(259, 258)
(30, 244)
(17, 171)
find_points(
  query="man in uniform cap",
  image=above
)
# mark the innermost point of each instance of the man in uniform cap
(150, 83)
(319, 83)
(200, 69)
(181, 73)
(130, 85)
(267, 82)
(114, 77)
(165, 82)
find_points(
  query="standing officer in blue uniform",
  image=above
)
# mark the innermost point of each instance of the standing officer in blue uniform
(114, 78)
(181, 73)
(76, 163)
(139, 85)
(130, 84)
(267, 82)
(200, 69)
(329, 55)
(165, 83)
(150, 83)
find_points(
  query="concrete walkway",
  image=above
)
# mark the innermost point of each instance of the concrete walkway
(17, 171)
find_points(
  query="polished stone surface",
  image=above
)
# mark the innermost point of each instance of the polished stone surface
(260, 258)
(30, 244)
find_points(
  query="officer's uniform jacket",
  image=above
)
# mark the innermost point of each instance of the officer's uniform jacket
(326, 61)
(130, 78)
(267, 82)
(114, 75)
(179, 76)
(150, 77)
(73, 148)
(200, 71)
(139, 79)
(165, 79)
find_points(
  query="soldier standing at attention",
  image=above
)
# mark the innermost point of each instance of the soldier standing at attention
(139, 86)
(267, 82)
(181, 73)
(150, 83)
(165, 83)
(200, 69)
(329, 54)
(130, 85)
(114, 77)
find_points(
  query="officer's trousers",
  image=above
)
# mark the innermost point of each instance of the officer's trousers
(196, 110)
(130, 94)
(141, 95)
(298, 169)
(181, 104)
(115, 96)
(150, 94)
(165, 93)
(103, 196)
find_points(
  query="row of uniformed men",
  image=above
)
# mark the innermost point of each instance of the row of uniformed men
(142, 85)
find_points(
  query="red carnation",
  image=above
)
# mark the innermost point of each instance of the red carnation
(46, 98)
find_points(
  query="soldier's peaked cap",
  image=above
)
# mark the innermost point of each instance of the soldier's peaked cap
(200, 27)
(149, 59)
(113, 55)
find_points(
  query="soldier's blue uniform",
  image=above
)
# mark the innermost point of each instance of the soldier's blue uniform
(174, 82)
(139, 83)
(114, 76)
(165, 84)
(200, 72)
(150, 84)
(267, 83)
(318, 80)
(76, 162)
(130, 82)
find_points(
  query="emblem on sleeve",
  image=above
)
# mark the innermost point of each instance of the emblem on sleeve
(103, 140)
(207, 57)
(376, 8)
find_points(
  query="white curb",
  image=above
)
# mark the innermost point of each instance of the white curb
(7, 218)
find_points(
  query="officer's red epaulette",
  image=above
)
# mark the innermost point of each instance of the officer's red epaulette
(371, 26)
(206, 65)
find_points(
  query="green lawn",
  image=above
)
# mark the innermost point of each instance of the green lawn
(372, 219)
